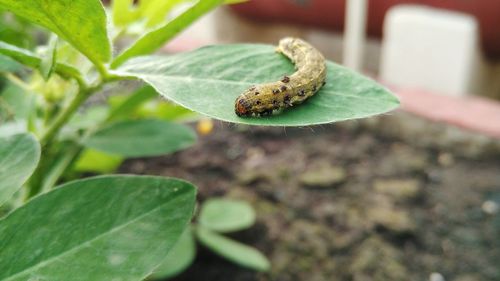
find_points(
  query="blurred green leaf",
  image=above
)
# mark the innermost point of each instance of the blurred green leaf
(209, 79)
(226, 215)
(49, 59)
(8, 64)
(157, 10)
(19, 155)
(19, 101)
(232, 250)
(102, 228)
(13, 128)
(165, 110)
(178, 259)
(140, 138)
(23, 56)
(80, 22)
(34, 61)
(145, 103)
(128, 105)
(89, 118)
(155, 39)
(15, 30)
(69, 55)
(60, 162)
(92, 160)
(123, 12)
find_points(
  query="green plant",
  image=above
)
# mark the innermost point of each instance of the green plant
(217, 216)
(121, 227)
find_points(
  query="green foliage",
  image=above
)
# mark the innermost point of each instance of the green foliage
(232, 250)
(80, 22)
(125, 107)
(153, 40)
(19, 155)
(178, 259)
(224, 215)
(49, 59)
(143, 104)
(8, 64)
(92, 160)
(34, 61)
(217, 215)
(16, 31)
(16, 101)
(140, 138)
(101, 228)
(209, 79)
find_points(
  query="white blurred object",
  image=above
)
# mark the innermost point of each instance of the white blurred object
(436, 276)
(429, 48)
(490, 207)
(354, 34)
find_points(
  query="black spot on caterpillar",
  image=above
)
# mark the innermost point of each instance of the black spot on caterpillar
(291, 90)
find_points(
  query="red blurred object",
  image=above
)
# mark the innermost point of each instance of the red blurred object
(329, 14)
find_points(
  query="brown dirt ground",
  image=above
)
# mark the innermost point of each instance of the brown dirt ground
(346, 203)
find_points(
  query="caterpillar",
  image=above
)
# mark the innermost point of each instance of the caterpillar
(274, 97)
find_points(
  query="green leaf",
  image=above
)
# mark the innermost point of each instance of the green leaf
(155, 39)
(208, 80)
(80, 22)
(8, 64)
(140, 138)
(49, 59)
(92, 160)
(225, 215)
(102, 228)
(90, 118)
(13, 128)
(123, 13)
(165, 110)
(19, 155)
(144, 104)
(232, 250)
(34, 61)
(132, 102)
(20, 101)
(156, 10)
(178, 259)
(58, 166)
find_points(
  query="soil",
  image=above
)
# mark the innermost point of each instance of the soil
(347, 202)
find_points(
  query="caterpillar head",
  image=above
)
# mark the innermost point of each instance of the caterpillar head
(255, 100)
(242, 107)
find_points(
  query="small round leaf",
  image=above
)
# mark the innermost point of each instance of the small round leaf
(232, 250)
(178, 259)
(225, 215)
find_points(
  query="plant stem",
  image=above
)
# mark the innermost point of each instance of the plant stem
(67, 112)
(36, 182)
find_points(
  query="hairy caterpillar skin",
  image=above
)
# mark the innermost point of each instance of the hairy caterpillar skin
(269, 98)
